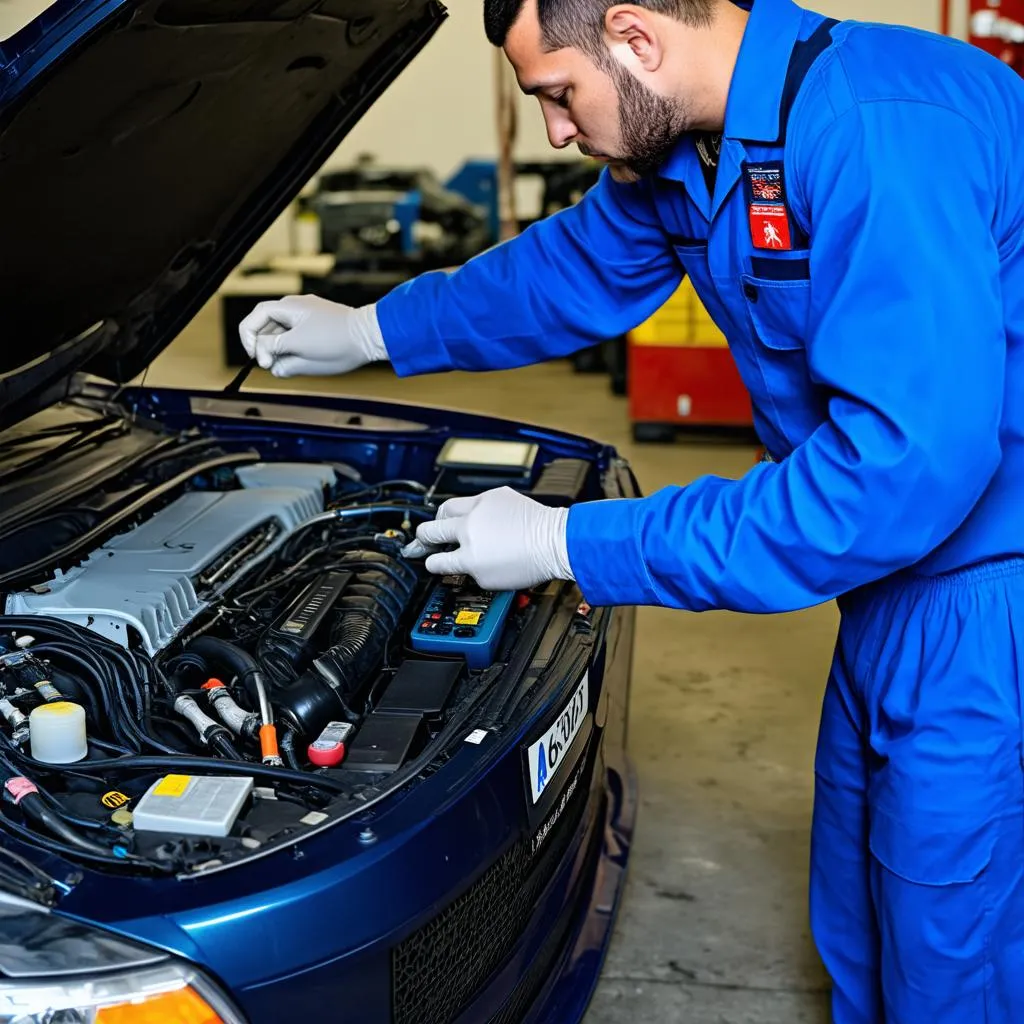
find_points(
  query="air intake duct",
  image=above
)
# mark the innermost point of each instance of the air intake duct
(366, 615)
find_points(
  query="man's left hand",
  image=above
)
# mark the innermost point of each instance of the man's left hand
(501, 538)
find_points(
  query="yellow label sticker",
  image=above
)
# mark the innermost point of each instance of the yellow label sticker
(114, 799)
(468, 618)
(172, 785)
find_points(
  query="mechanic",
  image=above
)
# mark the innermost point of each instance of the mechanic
(848, 201)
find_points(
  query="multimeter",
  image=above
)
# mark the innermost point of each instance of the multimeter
(461, 619)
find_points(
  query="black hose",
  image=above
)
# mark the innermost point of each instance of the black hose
(365, 619)
(44, 809)
(78, 820)
(221, 743)
(184, 762)
(109, 748)
(82, 658)
(35, 807)
(59, 849)
(241, 663)
(118, 680)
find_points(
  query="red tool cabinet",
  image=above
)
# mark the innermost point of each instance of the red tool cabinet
(681, 373)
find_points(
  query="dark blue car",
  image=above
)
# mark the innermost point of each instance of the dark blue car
(256, 766)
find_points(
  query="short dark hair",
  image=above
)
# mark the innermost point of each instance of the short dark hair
(580, 23)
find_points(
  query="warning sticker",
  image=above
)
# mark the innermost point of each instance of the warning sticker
(769, 227)
(172, 785)
(468, 618)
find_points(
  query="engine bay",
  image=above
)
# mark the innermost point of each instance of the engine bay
(240, 659)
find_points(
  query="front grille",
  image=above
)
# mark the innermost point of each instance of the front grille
(438, 970)
(539, 970)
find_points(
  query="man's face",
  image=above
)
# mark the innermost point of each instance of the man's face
(606, 111)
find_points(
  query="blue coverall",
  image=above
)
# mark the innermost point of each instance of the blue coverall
(868, 271)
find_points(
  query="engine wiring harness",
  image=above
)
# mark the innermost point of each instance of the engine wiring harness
(291, 652)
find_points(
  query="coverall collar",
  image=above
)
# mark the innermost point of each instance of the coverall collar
(755, 94)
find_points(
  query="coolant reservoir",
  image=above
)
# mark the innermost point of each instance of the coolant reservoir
(57, 732)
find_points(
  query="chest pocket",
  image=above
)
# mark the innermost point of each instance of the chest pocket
(778, 298)
(693, 255)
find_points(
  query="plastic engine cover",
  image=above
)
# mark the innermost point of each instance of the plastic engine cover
(150, 579)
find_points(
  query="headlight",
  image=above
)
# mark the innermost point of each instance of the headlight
(54, 970)
(170, 994)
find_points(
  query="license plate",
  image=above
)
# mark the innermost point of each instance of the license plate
(546, 756)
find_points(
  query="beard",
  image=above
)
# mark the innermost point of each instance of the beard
(649, 125)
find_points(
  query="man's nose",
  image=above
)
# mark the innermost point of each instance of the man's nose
(561, 129)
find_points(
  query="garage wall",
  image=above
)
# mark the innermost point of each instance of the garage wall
(16, 13)
(919, 13)
(441, 108)
(440, 111)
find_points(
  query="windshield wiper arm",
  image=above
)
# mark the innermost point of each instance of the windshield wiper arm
(101, 431)
(58, 430)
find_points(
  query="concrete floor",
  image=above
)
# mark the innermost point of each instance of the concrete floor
(714, 925)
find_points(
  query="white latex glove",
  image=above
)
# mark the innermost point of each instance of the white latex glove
(318, 337)
(503, 539)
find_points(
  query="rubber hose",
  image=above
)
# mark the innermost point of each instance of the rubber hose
(35, 807)
(221, 743)
(241, 663)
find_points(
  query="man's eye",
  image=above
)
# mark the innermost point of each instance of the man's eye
(562, 99)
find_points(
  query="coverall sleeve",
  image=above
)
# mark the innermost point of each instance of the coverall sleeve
(906, 339)
(588, 273)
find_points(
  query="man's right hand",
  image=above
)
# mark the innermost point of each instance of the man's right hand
(307, 335)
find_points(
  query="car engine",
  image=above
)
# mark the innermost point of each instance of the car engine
(246, 661)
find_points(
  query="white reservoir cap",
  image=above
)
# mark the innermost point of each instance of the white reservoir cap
(57, 733)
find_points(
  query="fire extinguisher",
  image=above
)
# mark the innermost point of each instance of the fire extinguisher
(998, 27)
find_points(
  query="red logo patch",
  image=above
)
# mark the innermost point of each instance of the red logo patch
(769, 227)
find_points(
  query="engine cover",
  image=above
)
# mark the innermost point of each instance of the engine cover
(156, 578)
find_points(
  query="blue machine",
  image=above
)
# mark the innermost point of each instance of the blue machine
(460, 619)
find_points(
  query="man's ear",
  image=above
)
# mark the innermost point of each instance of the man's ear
(632, 36)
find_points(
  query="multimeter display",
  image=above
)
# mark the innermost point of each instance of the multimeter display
(461, 619)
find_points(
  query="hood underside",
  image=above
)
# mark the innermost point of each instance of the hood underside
(146, 145)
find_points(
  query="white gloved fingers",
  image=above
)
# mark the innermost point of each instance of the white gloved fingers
(299, 305)
(454, 508)
(506, 540)
(324, 337)
(255, 323)
(440, 531)
(416, 549)
(292, 366)
(447, 563)
(270, 343)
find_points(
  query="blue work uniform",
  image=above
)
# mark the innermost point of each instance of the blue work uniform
(863, 252)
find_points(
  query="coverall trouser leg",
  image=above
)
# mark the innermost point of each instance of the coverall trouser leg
(917, 861)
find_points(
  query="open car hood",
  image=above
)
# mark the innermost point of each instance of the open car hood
(145, 145)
